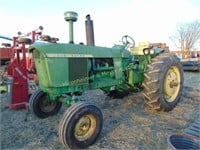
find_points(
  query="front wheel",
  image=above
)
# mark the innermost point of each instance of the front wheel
(80, 125)
(41, 106)
(163, 82)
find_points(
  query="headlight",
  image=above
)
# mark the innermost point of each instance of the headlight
(146, 51)
(152, 51)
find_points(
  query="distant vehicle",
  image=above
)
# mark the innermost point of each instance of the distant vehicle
(5, 51)
(191, 63)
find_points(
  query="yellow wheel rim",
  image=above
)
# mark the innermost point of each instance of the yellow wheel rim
(85, 127)
(172, 84)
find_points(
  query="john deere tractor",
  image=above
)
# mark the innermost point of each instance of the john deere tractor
(65, 71)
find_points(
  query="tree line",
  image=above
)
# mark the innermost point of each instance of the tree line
(187, 37)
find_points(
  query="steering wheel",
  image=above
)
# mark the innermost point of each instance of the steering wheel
(128, 41)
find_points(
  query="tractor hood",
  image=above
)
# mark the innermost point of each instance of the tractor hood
(57, 61)
(76, 51)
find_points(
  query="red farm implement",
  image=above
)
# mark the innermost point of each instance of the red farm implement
(20, 71)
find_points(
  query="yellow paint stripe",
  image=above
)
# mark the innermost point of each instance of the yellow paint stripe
(69, 55)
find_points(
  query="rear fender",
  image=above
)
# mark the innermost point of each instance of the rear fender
(159, 51)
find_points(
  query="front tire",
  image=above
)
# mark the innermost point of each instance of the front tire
(163, 82)
(41, 106)
(80, 125)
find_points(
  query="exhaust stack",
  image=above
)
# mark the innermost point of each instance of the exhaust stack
(71, 17)
(89, 31)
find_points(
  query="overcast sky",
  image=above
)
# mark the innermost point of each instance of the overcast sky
(144, 20)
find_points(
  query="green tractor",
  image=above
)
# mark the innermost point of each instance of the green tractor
(65, 71)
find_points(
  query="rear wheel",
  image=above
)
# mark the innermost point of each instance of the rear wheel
(41, 106)
(80, 125)
(163, 82)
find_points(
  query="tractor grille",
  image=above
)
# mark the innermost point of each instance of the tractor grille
(78, 71)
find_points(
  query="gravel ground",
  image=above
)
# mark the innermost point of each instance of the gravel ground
(128, 123)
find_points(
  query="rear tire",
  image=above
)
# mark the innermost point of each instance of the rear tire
(163, 82)
(81, 125)
(41, 106)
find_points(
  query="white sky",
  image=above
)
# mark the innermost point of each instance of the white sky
(152, 20)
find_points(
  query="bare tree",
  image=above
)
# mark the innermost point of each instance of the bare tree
(187, 36)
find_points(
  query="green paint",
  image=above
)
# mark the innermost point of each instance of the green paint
(67, 69)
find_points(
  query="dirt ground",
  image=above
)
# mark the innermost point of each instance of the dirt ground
(128, 123)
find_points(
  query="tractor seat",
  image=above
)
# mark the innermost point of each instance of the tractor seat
(139, 50)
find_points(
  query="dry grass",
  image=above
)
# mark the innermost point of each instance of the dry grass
(128, 123)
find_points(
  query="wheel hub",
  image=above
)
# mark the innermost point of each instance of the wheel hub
(85, 127)
(172, 84)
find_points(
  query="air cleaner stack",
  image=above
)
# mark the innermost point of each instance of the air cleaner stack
(71, 17)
